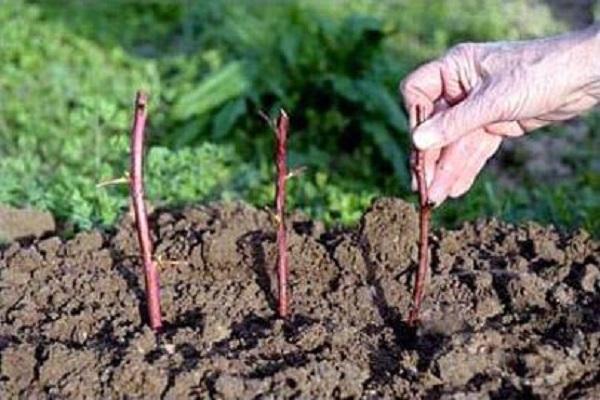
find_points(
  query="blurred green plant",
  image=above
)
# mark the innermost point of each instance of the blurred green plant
(70, 68)
(63, 104)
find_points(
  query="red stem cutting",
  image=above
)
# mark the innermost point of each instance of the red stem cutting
(141, 217)
(281, 131)
(418, 167)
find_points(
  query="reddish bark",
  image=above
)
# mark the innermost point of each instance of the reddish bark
(141, 217)
(281, 131)
(424, 217)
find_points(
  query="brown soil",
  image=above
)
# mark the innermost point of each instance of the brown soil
(21, 223)
(511, 312)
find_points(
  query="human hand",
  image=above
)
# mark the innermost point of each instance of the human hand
(476, 94)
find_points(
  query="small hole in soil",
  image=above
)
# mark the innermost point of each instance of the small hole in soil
(193, 319)
(561, 332)
(6, 340)
(372, 329)
(291, 383)
(500, 286)
(527, 249)
(576, 274)
(77, 310)
(153, 356)
(303, 227)
(538, 266)
(434, 393)
(295, 325)
(406, 335)
(477, 381)
(509, 391)
(190, 355)
(520, 368)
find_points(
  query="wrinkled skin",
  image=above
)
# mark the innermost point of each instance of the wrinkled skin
(479, 93)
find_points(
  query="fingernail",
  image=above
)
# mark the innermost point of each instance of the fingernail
(413, 183)
(437, 195)
(428, 179)
(425, 138)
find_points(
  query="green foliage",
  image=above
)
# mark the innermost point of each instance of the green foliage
(217, 88)
(56, 81)
(70, 68)
(334, 67)
(63, 104)
(569, 204)
(172, 177)
(189, 174)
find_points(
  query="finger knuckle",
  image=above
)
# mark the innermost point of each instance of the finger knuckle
(444, 167)
(462, 49)
(403, 86)
(406, 86)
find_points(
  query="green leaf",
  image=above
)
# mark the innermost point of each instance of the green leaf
(380, 100)
(227, 117)
(389, 149)
(217, 88)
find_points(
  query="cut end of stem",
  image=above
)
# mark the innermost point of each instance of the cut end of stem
(141, 99)
(283, 114)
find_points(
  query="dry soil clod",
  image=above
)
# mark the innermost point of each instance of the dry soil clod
(141, 217)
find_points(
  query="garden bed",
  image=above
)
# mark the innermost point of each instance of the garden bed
(510, 311)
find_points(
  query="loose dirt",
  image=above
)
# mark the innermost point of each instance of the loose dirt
(510, 312)
(21, 223)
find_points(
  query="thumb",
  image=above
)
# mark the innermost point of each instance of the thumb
(475, 111)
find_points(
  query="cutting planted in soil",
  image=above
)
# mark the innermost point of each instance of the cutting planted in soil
(418, 168)
(281, 132)
(141, 217)
(280, 127)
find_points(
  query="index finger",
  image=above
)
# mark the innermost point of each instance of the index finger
(422, 88)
